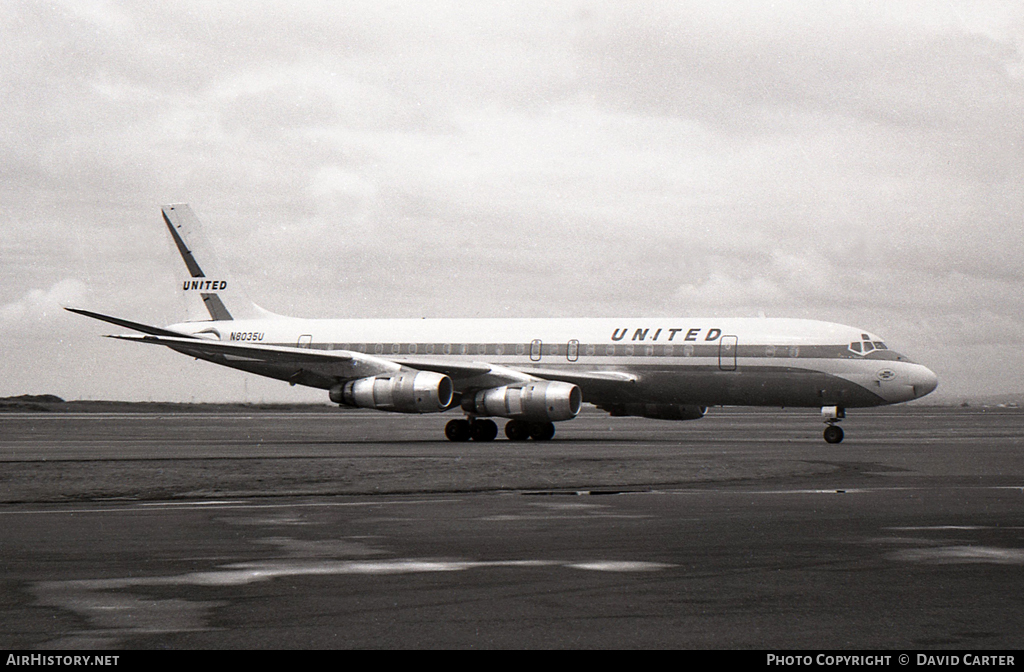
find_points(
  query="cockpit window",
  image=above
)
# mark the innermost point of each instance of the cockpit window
(866, 345)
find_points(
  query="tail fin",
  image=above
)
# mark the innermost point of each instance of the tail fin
(208, 291)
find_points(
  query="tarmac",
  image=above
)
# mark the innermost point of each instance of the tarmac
(356, 529)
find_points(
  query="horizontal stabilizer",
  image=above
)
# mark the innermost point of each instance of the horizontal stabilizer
(144, 328)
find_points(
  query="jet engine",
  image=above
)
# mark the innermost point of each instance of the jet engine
(657, 411)
(401, 392)
(544, 401)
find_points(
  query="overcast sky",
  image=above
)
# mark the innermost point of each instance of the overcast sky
(858, 162)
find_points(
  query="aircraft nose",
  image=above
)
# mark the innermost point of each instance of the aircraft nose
(924, 381)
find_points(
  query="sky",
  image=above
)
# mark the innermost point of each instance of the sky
(856, 162)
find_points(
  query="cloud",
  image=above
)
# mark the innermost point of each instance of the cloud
(38, 308)
(856, 162)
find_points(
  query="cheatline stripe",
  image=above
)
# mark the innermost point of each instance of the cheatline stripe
(516, 351)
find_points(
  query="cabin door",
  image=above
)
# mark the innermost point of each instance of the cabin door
(727, 348)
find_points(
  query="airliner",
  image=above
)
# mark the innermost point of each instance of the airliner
(531, 372)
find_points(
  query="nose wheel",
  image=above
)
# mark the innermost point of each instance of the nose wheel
(831, 416)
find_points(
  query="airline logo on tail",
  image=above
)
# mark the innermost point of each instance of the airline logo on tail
(178, 219)
(204, 284)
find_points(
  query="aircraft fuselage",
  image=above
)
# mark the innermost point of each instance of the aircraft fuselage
(702, 361)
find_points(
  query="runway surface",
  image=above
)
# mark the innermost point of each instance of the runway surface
(357, 529)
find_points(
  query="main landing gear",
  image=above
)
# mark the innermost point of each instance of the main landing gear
(487, 430)
(464, 430)
(831, 415)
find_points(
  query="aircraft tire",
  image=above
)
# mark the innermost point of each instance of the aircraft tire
(458, 430)
(516, 430)
(833, 434)
(483, 430)
(542, 431)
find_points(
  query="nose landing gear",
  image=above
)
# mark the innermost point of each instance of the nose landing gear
(831, 415)
(833, 434)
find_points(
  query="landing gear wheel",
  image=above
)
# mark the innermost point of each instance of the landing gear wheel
(517, 431)
(483, 430)
(458, 430)
(833, 434)
(832, 415)
(542, 431)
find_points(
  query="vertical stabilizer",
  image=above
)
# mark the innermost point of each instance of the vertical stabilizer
(208, 291)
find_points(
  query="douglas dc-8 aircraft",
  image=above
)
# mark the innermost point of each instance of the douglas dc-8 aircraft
(535, 372)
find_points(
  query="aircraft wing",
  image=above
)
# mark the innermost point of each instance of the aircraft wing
(469, 374)
(325, 368)
(583, 377)
(594, 383)
(245, 352)
(319, 368)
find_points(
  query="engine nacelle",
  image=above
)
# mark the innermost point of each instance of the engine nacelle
(401, 392)
(657, 411)
(545, 401)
